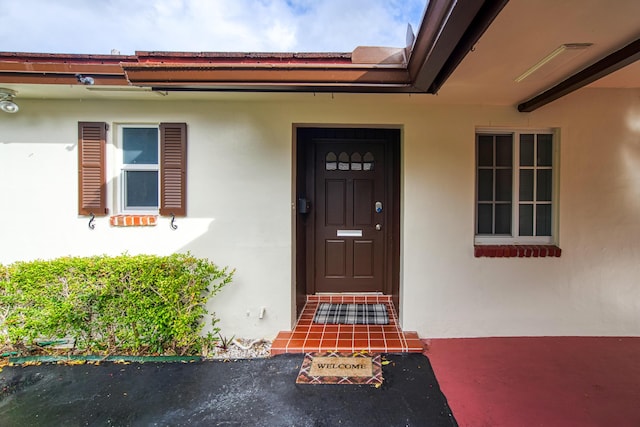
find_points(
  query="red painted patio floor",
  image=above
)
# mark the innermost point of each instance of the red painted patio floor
(312, 337)
(540, 381)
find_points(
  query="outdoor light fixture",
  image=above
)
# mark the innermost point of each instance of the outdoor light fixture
(85, 80)
(561, 55)
(6, 101)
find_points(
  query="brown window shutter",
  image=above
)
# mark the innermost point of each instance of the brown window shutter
(173, 169)
(92, 181)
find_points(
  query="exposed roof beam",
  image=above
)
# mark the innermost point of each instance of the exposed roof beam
(611, 63)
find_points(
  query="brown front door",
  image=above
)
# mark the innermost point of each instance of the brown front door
(350, 232)
(347, 187)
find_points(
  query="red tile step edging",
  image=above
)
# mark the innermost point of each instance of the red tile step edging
(516, 251)
(283, 344)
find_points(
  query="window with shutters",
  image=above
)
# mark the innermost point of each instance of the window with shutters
(515, 175)
(150, 161)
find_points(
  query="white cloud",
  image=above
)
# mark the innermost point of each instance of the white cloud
(97, 26)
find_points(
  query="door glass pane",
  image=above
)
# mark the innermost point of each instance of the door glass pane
(485, 185)
(485, 218)
(526, 150)
(369, 162)
(543, 192)
(331, 161)
(526, 220)
(526, 184)
(141, 189)
(545, 149)
(543, 220)
(140, 146)
(504, 185)
(343, 161)
(503, 218)
(504, 150)
(356, 162)
(485, 150)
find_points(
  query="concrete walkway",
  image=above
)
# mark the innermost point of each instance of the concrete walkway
(257, 392)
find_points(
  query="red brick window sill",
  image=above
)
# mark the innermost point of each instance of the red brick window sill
(516, 251)
(133, 220)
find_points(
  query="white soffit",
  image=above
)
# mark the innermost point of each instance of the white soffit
(526, 32)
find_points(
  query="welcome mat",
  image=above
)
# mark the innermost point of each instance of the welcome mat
(340, 368)
(349, 314)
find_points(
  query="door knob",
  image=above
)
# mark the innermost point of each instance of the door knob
(378, 227)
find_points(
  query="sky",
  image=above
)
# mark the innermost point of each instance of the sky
(100, 26)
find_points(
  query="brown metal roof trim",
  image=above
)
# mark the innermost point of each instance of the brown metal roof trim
(150, 75)
(243, 57)
(65, 58)
(49, 68)
(60, 79)
(7, 66)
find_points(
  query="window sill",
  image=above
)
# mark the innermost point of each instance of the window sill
(133, 220)
(516, 251)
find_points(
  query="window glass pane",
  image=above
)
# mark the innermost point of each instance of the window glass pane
(504, 185)
(543, 220)
(485, 218)
(485, 150)
(503, 218)
(485, 185)
(141, 189)
(543, 192)
(526, 220)
(140, 146)
(504, 150)
(545, 149)
(526, 149)
(526, 185)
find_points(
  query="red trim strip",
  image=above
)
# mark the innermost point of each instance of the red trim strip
(516, 251)
(133, 220)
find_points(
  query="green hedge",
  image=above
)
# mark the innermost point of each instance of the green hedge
(141, 304)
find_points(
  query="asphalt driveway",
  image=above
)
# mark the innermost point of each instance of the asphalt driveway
(253, 392)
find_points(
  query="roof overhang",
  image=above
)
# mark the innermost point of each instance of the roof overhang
(448, 31)
(439, 53)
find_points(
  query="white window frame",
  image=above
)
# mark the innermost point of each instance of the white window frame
(515, 238)
(122, 167)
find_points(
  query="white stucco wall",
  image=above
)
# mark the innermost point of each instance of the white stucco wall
(593, 289)
(239, 206)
